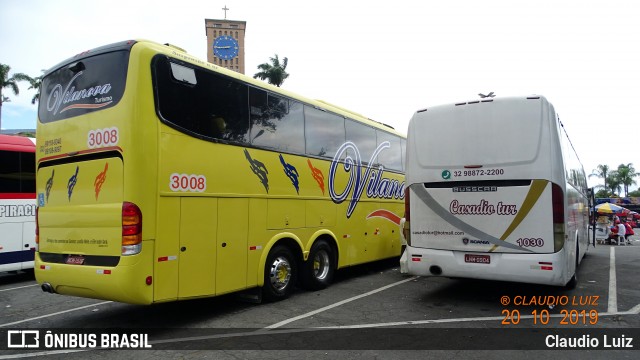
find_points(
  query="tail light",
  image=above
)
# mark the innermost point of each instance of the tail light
(557, 200)
(406, 228)
(37, 230)
(131, 229)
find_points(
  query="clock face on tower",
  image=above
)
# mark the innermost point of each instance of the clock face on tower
(225, 47)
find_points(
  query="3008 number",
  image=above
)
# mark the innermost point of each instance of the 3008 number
(102, 137)
(184, 182)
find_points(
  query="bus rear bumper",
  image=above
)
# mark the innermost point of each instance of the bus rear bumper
(123, 283)
(527, 268)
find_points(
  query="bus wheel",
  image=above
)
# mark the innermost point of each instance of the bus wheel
(279, 274)
(318, 270)
(573, 282)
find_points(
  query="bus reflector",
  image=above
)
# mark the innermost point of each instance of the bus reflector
(149, 280)
(131, 229)
(545, 265)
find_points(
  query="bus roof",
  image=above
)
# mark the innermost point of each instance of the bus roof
(17, 143)
(184, 56)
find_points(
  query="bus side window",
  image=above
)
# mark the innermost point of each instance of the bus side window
(27, 173)
(390, 158)
(363, 136)
(276, 122)
(225, 107)
(10, 171)
(324, 132)
(403, 150)
(202, 102)
(16, 172)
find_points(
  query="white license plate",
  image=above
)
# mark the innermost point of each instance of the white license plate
(75, 260)
(477, 259)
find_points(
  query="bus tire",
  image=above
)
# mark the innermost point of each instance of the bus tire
(279, 274)
(318, 270)
(573, 282)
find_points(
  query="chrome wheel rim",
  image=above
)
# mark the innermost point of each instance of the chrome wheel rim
(321, 264)
(280, 273)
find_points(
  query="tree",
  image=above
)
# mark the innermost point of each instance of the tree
(601, 172)
(635, 193)
(603, 193)
(10, 82)
(614, 183)
(35, 83)
(626, 175)
(274, 73)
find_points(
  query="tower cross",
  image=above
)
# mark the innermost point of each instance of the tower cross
(225, 11)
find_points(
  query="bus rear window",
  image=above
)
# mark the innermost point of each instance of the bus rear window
(494, 133)
(83, 86)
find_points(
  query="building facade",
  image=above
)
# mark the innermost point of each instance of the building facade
(225, 43)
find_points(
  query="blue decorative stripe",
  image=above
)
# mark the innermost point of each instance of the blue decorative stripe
(17, 256)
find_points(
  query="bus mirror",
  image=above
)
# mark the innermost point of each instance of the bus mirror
(76, 67)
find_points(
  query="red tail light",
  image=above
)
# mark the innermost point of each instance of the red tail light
(557, 201)
(131, 228)
(557, 198)
(406, 232)
(407, 210)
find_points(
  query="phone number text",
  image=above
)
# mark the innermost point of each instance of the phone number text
(478, 172)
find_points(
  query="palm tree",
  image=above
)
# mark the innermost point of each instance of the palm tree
(602, 172)
(10, 82)
(626, 175)
(274, 73)
(36, 82)
(614, 183)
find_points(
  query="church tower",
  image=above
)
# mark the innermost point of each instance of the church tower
(225, 42)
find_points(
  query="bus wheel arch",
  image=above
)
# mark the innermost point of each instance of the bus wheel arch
(318, 270)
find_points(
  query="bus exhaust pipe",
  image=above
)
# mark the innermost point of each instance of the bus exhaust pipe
(435, 270)
(46, 287)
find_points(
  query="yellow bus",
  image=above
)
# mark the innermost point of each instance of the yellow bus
(162, 177)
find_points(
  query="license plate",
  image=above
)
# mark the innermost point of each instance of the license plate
(75, 260)
(477, 259)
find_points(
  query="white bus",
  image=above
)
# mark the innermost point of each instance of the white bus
(17, 202)
(495, 191)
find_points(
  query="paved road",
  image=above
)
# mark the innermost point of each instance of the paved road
(371, 311)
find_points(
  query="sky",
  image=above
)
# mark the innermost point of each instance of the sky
(383, 59)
